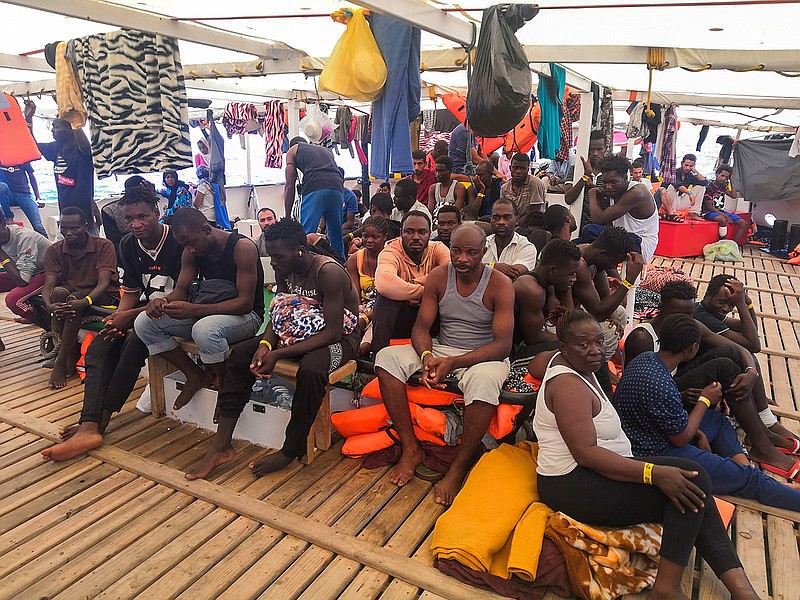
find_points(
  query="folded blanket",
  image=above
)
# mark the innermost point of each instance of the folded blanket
(511, 541)
(605, 563)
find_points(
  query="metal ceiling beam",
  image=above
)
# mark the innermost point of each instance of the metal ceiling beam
(24, 63)
(131, 18)
(426, 17)
(773, 102)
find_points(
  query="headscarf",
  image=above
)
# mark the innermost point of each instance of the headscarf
(173, 190)
(202, 172)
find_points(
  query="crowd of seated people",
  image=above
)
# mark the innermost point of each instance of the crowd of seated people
(482, 280)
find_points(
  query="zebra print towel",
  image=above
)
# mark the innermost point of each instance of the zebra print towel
(133, 87)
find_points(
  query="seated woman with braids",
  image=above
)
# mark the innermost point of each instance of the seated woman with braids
(586, 471)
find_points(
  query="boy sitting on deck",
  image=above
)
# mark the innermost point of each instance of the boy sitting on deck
(475, 307)
(714, 203)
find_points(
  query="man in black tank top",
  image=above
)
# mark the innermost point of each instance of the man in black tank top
(310, 276)
(475, 305)
(228, 306)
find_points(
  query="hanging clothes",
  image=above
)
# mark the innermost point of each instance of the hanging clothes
(445, 121)
(237, 116)
(340, 135)
(363, 129)
(68, 90)
(391, 114)
(274, 117)
(703, 135)
(428, 121)
(572, 112)
(725, 152)
(551, 99)
(667, 158)
(794, 150)
(607, 117)
(653, 122)
(597, 94)
(636, 128)
(134, 93)
(216, 156)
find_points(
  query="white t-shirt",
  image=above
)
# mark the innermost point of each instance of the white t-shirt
(206, 188)
(520, 251)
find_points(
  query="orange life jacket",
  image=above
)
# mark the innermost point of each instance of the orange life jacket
(17, 145)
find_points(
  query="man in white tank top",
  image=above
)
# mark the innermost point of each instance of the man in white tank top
(445, 190)
(475, 307)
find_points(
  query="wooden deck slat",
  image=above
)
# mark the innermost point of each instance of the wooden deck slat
(783, 559)
(751, 548)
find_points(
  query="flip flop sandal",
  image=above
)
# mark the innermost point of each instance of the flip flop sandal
(791, 474)
(425, 474)
(794, 450)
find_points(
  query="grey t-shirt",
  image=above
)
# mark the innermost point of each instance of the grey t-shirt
(26, 249)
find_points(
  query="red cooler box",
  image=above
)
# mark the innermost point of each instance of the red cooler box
(676, 240)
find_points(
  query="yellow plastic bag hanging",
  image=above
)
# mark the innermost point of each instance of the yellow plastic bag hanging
(355, 68)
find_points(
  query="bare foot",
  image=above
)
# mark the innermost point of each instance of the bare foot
(404, 470)
(213, 459)
(67, 432)
(270, 463)
(785, 436)
(58, 379)
(190, 388)
(79, 443)
(23, 321)
(445, 491)
(774, 458)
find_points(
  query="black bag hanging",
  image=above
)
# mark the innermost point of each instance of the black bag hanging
(499, 92)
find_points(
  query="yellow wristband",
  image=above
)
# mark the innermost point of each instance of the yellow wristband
(749, 306)
(647, 474)
(89, 298)
(5, 262)
(351, 235)
(586, 178)
(705, 401)
(424, 354)
(491, 265)
(265, 343)
(481, 195)
(626, 283)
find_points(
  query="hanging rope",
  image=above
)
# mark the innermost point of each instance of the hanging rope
(655, 60)
(705, 67)
(469, 168)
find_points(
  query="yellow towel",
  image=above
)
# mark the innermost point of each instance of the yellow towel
(68, 91)
(496, 523)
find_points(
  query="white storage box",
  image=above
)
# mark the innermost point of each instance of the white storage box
(260, 424)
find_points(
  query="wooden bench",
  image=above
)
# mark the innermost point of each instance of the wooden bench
(320, 434)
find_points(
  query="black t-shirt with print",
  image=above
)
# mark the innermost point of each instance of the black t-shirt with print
(153, 273)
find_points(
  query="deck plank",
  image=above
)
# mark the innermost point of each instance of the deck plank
(751, 548)
(783, 558)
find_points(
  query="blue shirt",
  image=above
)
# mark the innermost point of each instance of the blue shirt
(649, 405)
(16, 178)
(458, 147)
(349, 203)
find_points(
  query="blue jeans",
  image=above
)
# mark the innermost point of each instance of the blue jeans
(729, 478)
(324, 203)
(26, 202)
(213, 334)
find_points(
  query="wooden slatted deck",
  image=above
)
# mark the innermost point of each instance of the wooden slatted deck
(124, 523)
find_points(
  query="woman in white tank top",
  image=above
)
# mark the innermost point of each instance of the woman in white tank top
(584, 469)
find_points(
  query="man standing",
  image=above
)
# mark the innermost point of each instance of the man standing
(150, 259)
(590, 178)
(449, 219)
(320, 192)
(506, 250)
(422, 176)
(686, 194)
(22, 253)
(314, 278)
(460, 145)
(225, 306)
(714, 203)
(403, 268)
(405, 199)
(80, 271)
(525, 190)
(475, 306)
(446, 190)
(71, 155)
(625, 204)
(15, 190)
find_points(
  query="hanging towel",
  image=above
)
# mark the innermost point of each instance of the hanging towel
(703, 135)
(725, 152)
(794, 150)
(551, 99)
(274, 117)
(391, 114)
(607, 117)
(68, 90)
(237, 116)
(572, 112)
(667, 157)
(134, 93)
(597, 93)
(652, 122)
(344, 117)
